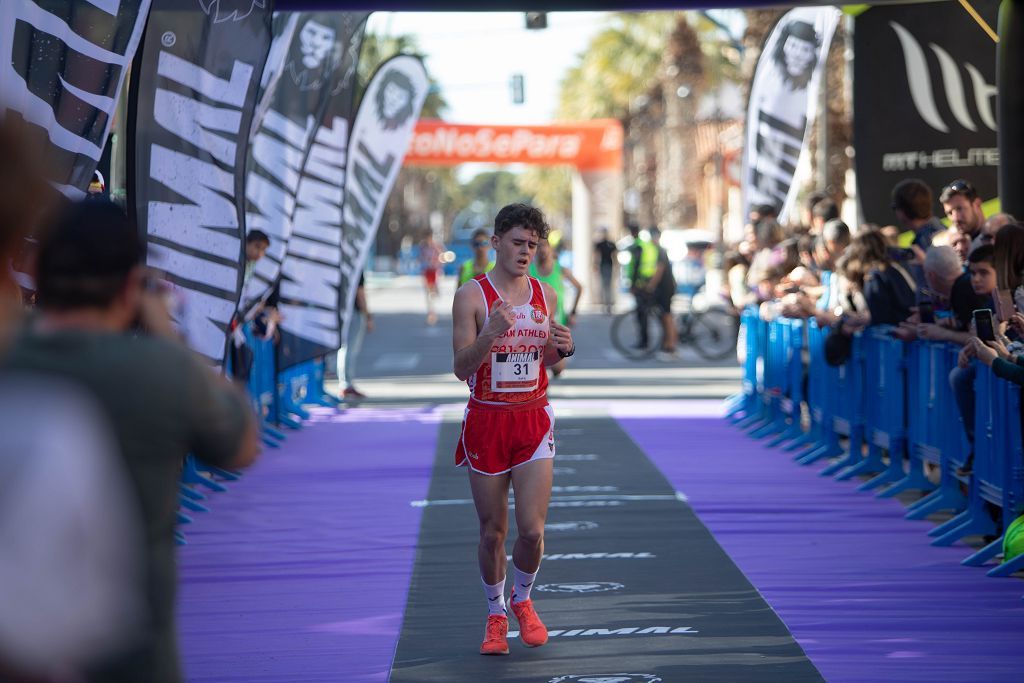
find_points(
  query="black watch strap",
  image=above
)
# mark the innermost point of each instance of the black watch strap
(566, 354)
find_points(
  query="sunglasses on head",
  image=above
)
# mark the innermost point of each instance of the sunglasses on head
(958, 186)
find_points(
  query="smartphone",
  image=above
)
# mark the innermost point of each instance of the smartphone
(926, 312)
(1004, 304)
(983, 324)
(900, 254)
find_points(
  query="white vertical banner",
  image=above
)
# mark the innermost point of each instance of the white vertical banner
(783, 105)
(380, 138)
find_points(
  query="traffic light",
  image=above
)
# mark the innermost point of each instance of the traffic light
(536, 20)
(518, 89)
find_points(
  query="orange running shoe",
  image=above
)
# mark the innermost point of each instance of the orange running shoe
(495, 636)
(531, 628)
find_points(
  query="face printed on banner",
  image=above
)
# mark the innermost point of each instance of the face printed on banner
(795, 54)
(316, 43)
(394, 99)
(799, 55)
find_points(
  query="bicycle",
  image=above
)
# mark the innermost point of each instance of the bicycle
(638, 333)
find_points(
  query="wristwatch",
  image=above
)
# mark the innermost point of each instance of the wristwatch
(566, 354)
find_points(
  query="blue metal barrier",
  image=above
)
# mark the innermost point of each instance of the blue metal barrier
(792, 371)
(821, 385)
(757, 348)
(998, 470)
(895, 397)
(934, 428)
(746, 402)
(848, 408)
(884, 410)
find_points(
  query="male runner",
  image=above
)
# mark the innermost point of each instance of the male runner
(503, 337)
(481, 261)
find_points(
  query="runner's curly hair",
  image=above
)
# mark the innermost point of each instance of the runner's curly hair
(521, 215)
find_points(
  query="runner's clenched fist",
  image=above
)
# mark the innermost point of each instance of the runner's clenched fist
(500, 320)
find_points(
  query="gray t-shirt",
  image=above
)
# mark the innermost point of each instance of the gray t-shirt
(163, 403)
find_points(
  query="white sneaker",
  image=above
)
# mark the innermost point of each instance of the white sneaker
(667, 356)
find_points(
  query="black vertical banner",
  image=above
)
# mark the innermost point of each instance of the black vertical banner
(193, 95)
(924, 101)
(310, 272)
(312, 66)
(62, 64)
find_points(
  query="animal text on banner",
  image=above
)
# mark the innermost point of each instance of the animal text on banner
(193, 97)
(383, 127)
(310, 273)
(283, 138)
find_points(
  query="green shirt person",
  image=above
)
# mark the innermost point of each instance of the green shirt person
(546, 268)
(480, 263)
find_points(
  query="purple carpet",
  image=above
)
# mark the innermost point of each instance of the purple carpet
(300, 571)
(859, 587)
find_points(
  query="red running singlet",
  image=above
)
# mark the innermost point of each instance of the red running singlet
(513, 372)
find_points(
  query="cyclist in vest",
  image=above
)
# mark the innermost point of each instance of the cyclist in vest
(480, 263)
(546, 268)
(503, 337)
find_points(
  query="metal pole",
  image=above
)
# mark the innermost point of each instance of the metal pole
(1009, 75)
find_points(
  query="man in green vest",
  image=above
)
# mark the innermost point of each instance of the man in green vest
(481, 262)
(546, 268)
(643, 264)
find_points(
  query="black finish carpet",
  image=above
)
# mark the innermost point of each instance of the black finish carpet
(632, 588)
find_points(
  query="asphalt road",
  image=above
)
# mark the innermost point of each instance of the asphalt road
(405, 360)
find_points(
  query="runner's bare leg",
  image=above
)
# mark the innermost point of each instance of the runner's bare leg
(490, 494)
(532, 485)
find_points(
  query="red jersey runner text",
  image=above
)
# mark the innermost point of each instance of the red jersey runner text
(513, 372)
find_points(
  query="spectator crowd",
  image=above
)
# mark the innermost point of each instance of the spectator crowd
(959, 281)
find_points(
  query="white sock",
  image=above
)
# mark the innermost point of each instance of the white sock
(523, 583)
(495, 597)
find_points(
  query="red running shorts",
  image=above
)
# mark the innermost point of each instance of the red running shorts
(495, 440)
(430, 275)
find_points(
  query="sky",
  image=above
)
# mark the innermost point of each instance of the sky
(473, 56)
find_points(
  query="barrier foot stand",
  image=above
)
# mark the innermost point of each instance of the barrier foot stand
(268, 442)
(192, 505)
(852, 458)
(189, 492)
(872, 464)
(976, 525)
(958, 520)
(183, 518)
(774, 426)
(222, 474)
(289, 421)
(943, 498)
(179, 538)
(190, 475)
(892, 474)
(914, 481)
(889, 476)
(273, 432)
(982, 556)
(754, 419)
(829, 449)
(806, 440)
(1007, 568)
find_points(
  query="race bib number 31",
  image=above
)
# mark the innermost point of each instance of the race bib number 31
(515, 371)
